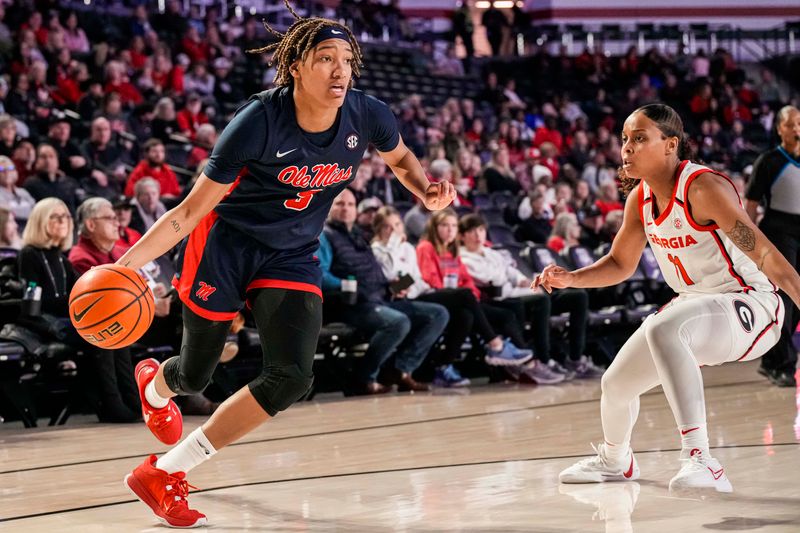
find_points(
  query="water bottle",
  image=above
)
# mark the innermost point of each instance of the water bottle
(32, 300)
(350, 290)
(451, 280)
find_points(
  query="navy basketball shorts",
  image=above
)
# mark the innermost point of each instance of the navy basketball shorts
(219, 264)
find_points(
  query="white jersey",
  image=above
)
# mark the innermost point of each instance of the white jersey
(695, 259)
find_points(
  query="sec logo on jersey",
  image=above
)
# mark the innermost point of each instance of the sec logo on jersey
(351, 142)
(745, 315)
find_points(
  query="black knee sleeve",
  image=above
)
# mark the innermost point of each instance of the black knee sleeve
(203, 341)
(278, 387)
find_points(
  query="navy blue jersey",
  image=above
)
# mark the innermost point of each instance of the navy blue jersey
(285, 183)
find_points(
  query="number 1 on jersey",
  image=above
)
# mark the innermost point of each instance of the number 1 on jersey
(302, 200)
(679, 269)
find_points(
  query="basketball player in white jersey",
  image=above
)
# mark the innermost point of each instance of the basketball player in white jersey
(719, 264)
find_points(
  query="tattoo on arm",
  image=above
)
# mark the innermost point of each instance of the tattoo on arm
(128, 262)
(743, 237)
(175, 225)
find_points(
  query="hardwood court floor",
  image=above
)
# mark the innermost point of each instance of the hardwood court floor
(485, 459)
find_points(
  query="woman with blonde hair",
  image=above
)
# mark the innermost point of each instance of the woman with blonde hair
(47, 237)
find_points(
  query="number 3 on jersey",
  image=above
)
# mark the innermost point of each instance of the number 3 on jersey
(302, 200)
(679, 269)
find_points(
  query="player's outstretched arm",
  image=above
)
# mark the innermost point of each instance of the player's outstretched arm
(408, 170)
(713, 198)
(176, 223)
(614, 267)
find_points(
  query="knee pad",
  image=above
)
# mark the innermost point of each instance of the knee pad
(278, 387)
(183, 381)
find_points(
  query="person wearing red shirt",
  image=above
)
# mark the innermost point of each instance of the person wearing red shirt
(194, 46)
(191, 117)
(154, 166)
(608, 198)
(549, 133)
(117, 82)
(441, 268)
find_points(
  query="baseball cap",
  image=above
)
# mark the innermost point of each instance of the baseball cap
(369, 203)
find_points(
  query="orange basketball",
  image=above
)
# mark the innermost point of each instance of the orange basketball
(111, 306)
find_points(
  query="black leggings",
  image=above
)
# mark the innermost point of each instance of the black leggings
(466, 315)
(537, 309)
(288, 323)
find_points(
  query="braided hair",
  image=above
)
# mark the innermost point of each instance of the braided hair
(298, 41)
(669, 124)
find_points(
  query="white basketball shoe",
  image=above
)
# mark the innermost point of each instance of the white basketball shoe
(699, 471)
(600, 468)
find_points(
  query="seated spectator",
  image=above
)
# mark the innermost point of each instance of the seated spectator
(512, 291)
(192, 116)
(598, 171)
(448, 64)
(384, 185)
(117, 82)
(566, 232)
(24, 158)
(154, 166)
(415, 220)
(441, 268)
(91, 103)
(165, 123)
(199, 81)
(16, 199)
(536, 219)
(123, 207)
(70, 157)
(396, 326)
(74, 36)
(50, 181)
(225, 91)
(101, 152)
(108, 377)
(8, 135)
(9, 231)
(497, 174)
(366, 214)
(203, 144)
(147, 206)
(360, 184)
(608, 198)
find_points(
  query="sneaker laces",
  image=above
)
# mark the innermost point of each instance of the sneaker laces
(178, 487)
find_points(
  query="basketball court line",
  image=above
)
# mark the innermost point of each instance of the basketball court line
(374, 472)
(367, 428)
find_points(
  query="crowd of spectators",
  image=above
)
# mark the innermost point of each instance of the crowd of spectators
(129, 116)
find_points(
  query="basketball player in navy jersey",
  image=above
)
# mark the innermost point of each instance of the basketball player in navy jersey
(718, 262)
(252, 222)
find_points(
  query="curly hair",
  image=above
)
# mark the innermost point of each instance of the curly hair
(296, 43)
(669, 124)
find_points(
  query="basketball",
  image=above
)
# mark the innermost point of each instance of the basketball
(111, 306)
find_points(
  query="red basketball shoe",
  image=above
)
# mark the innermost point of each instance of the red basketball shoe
(165, 494)
(165, 423)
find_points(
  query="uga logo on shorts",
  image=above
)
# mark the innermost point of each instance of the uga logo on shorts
(745, 315)
(351, 142)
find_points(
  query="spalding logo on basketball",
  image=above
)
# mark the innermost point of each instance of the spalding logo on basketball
(745, 314)
(111, 306)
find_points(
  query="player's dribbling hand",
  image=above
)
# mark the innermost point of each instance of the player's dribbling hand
(553, 277)
(439, 195)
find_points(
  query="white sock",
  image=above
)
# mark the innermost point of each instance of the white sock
(153, 397)
(693, 437)
(190, 452)
(616, 452)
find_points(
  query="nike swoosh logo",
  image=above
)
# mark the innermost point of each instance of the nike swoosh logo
(717, 474)
(688, 430)
(335, 32)
(280, 154)
(77, 317)
(629, 473)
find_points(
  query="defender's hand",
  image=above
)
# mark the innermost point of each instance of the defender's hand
(553, 277)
